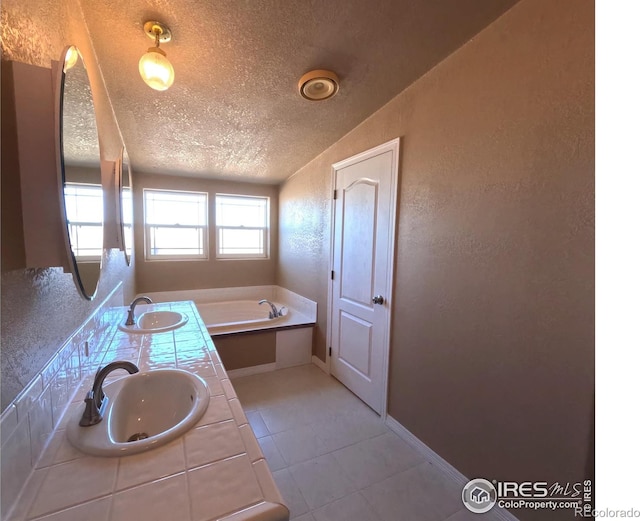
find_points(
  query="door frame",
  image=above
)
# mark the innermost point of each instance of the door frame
(392, 146)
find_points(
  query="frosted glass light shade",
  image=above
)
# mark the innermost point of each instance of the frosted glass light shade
(71, 58)
(156, 70)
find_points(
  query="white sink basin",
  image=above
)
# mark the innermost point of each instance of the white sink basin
(156, 322)
(150, 408)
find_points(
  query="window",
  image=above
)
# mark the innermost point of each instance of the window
(126, 200)
(175, 225)
(242, 227)
(83, 204)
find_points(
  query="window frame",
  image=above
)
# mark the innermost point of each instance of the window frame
(71, 224)
(148, 256)
(266, 229)
(126, 219)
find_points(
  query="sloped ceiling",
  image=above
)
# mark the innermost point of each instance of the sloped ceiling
(234, 111)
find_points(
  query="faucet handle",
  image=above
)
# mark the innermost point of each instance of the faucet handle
(91, 414)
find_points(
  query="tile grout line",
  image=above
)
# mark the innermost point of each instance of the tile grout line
(358, 490)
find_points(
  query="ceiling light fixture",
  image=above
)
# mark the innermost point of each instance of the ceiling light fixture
(70, 58)
(318, 85)
(156, 70)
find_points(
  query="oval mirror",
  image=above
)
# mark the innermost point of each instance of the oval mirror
(81, 180)
(126, 205)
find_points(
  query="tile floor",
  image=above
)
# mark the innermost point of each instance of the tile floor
(335, 460)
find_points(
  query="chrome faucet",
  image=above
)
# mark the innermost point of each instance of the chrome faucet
(130, 316)
(274, 313)
(96, 400)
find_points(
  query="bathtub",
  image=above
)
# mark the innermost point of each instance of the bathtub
(239, 315)
(247, 340)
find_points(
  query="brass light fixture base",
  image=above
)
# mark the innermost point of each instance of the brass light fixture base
(152, 29)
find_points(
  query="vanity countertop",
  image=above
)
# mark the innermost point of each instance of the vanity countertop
(216, 471)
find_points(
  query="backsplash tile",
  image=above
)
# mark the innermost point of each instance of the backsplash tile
(73, 366)
(40, 424)
(8, 422)
(28, 422)
(28, 397)
(51, 369)
(59, 389)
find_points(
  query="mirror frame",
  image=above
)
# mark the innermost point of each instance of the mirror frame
(126, 248)
(60, 166)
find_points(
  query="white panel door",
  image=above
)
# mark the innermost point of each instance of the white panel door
(362, 263)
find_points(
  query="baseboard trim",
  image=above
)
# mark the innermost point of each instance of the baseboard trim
(248, 371)
(433, 457)
(440, 463)
(322, 365)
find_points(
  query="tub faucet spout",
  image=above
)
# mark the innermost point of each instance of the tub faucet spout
(96, 401)
(274, 313)
(130, 314)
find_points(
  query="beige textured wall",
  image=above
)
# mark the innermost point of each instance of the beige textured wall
(41, 308)
(212, 273)
(492, 346)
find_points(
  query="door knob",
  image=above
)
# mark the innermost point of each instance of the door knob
(378, 299)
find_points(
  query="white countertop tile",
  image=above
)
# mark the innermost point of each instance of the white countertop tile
(204, 475)
(223, 487)
(217, 411)
(212, 443)
(268, 485)
(154, 464)
(74, 482)
(215, 387)
(97, 510)
(251, 444)
(162, 500)
(236, 409)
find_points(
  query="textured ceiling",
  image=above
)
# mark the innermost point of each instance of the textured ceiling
(234, 111)
(79, 129)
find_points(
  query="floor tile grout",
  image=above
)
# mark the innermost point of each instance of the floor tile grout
(295, 389)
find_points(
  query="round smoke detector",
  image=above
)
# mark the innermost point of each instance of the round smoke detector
(318, 85)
